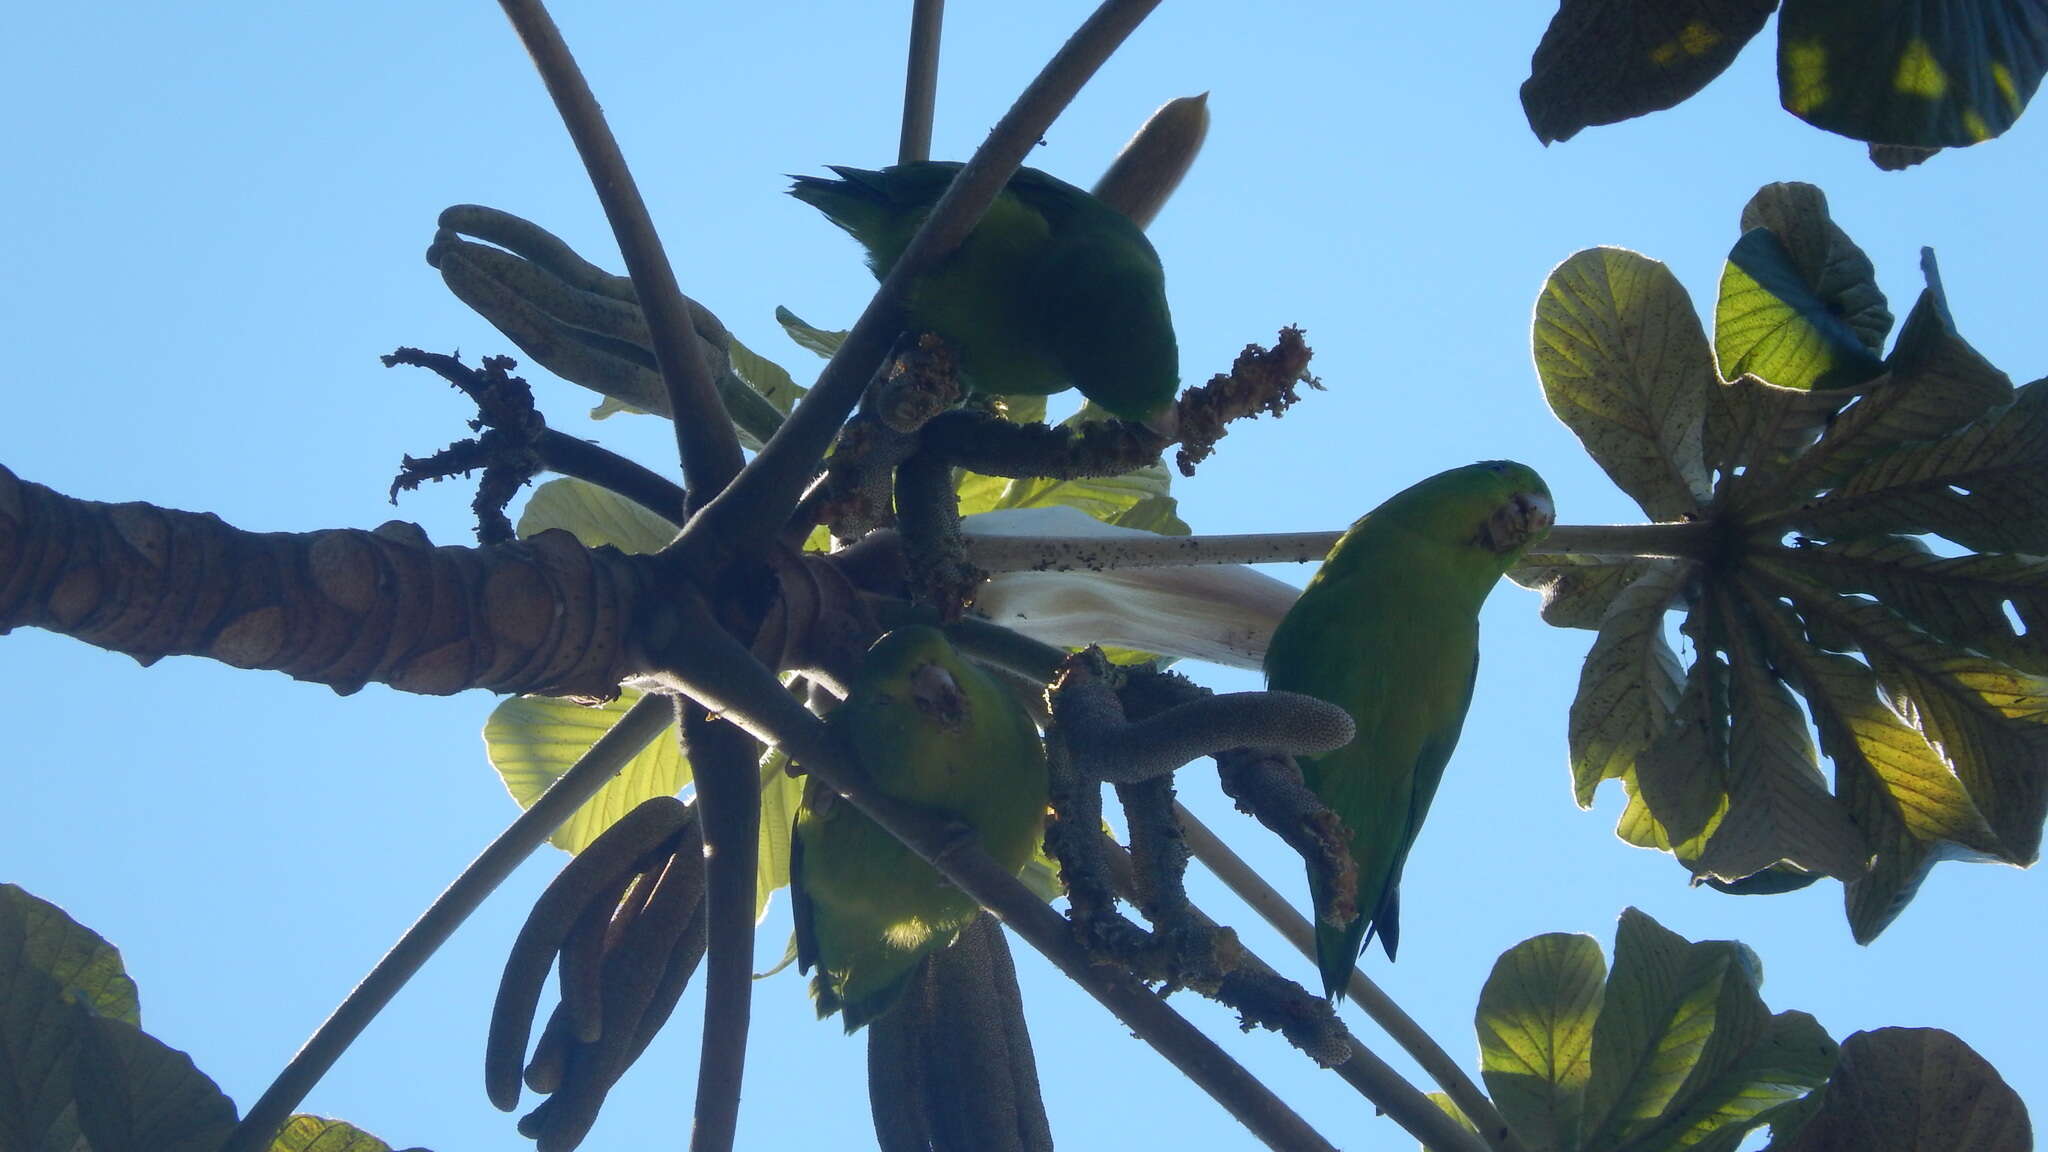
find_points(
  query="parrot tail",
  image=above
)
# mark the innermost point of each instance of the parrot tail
(1337, 952)
(862, 203)
(856, 1013)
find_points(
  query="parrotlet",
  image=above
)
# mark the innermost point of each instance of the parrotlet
(934, 731)
(1053, 288)
(1388, 630)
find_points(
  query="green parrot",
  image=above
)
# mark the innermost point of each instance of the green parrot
(1388, 630)
(1053, 289)
(937, 732)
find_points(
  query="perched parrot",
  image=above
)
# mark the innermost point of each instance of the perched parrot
(1388, 630)
(936, 732)
(1053, 289)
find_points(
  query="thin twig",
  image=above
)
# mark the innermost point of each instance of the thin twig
(1379, 1007)
(1103, 553)
(716, 670)
(758, 502)
(921, 81)
(704, 435)
(635, 730)
(1689, 540)
(1367, 1073)
(725, 763)
(570, 456)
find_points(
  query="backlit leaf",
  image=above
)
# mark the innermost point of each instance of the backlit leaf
(1626, 366)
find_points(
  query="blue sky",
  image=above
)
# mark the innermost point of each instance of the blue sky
(217, 215)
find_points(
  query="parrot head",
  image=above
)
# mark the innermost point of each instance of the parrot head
(1113, 333)
(1496, 506)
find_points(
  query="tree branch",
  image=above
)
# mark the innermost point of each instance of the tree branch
(720, 673)
(1101, 554)
(759, 500)
(704, 436)
(644, 721)
(1317, 1030)
(921, 81)
(1252, 888)
(725, 764)
(570, 456)
(341, 607)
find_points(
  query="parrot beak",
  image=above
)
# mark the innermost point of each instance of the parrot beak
(938, 695)
(1518, 523)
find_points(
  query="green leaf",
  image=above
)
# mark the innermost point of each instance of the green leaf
(1774, 881)
(308, 1133)
(1912, 1090)
(1770, 324)
(1137, 499)
(303, 1133)
(1105, 498)
(1779, 808)
(822, 341)
(1936, 384)
(1685, 1055)
(781, 793)
(1895, 785)
(134, 1091)
(596, 516)
(1653, 1027)
(1449, 1108)
(1535, 1024)
(1924, 73)
(1672, 1050)
(1761, 428)
(85, 967)
(1576, 588)
(1602, 61)
(1988, 721)
(1762, 1067)
(1041, 874)
(1626, 366)
(1680, 780)
(1960, 600)
(1827, 261)
(532, 740)
(1629, 684)
(41, 1030)
(1872, 901)
(764, 376)
(1985, 487)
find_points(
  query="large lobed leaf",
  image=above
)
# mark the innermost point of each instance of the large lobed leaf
(1925, 676)
(1920, 73)
(1673, 1049)
(77, 1072)
(1909, 76)
(1909, 1090)
(1625, 365)
(1606, 60)
(533, 740)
